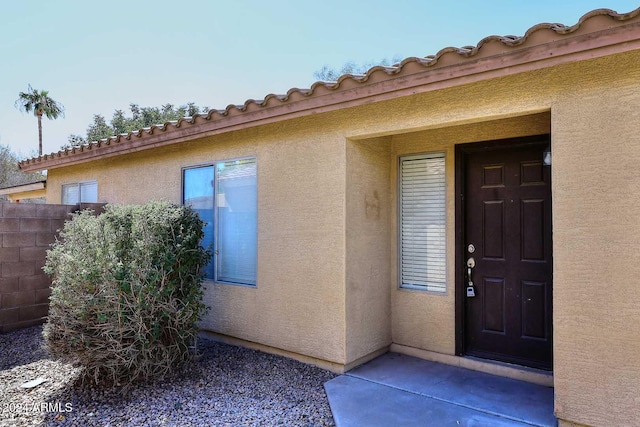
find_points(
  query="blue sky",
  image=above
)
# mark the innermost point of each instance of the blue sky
(95, 57)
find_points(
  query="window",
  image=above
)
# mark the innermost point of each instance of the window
(422, 222)
(80, 192)
(225, 196)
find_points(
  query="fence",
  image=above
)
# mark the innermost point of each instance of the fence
(26, 231)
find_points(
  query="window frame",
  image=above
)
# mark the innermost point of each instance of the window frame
(444, 291)
(78, 184)
(216, 233)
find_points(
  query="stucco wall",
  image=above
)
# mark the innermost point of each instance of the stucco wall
(594, 111)
(596, 202)
(368, 315)
(426, 320)
(25, 195)
(298, 303)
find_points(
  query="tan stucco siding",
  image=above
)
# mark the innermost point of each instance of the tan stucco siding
(596, 202)
(368, 198)
(298, 304)
(131, 179)
(426, 320)
(25, 195)
(594, 110)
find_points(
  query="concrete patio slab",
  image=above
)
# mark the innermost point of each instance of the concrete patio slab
(398, 390)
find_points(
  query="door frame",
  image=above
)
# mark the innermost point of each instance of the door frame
(461, 153)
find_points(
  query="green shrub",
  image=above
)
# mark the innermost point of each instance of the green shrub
(127, 291)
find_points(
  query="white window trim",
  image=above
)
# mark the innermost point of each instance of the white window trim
(439, 287)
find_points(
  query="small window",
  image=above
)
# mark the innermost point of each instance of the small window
(225, 196)
(80, 192)
(422, 222)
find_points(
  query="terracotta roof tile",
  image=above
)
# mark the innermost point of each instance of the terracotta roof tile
(596, 20)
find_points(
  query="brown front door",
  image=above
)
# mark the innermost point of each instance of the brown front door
(507, 219)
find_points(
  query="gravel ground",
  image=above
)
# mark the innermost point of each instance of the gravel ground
(227, 386)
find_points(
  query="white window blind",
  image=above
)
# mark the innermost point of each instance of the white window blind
(237, 221)
(80, 192)
(423, 222)
(70, 194)
(89, 192)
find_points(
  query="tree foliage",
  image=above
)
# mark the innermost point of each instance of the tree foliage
(139, 117)
(99, 129)
(40, 104)
(10, 174)
(329, 74)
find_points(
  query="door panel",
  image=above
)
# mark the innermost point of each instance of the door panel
(507, 218)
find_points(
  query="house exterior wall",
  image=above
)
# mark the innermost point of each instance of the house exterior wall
(36, 190)
(321, 261)
(593, 111)
(298, 303)
(426, 320)
(25, 195)
(368, 197)
(596, 193)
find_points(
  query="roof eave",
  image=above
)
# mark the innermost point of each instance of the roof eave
(407, 81)
(22, 188)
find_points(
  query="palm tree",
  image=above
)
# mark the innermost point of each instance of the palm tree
(40, 103)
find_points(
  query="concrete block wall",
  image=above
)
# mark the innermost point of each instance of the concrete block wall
(26, 231)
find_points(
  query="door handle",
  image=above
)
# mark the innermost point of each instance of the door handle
(470, 264)
(471, 290)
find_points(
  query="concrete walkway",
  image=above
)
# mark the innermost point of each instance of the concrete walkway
(398, 390)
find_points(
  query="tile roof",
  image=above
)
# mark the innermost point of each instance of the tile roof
(596, 21)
